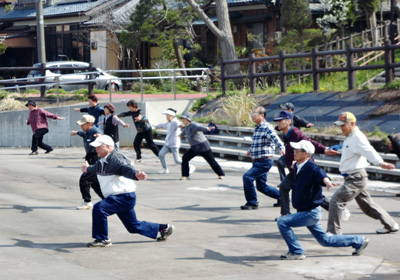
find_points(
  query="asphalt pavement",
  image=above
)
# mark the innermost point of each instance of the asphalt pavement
(43, 236)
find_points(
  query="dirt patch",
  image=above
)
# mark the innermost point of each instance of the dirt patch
(390, 97)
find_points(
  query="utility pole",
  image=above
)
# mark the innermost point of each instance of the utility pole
(40, 38)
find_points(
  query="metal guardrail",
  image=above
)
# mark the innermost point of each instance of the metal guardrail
(205, 75)
(23, 83)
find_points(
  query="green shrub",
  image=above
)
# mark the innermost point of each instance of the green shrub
(395, 84)
(32, 91)
(201, 101)
(3, 94)
(147, 88)
(53, 90)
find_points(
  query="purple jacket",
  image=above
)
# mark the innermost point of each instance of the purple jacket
(295, 135)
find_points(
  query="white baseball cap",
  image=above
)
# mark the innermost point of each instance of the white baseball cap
(304, 145)
(102, 140)
(169, 112)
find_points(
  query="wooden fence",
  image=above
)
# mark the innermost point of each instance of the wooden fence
(314, 56)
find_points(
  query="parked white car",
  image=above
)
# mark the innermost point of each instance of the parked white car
(69, 78)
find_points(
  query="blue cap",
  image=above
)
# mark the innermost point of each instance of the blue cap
(284, 115)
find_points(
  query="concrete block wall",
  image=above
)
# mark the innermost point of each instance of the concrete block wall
(15, 133)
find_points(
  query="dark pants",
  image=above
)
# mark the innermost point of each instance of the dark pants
(281, 165)
(148, 135)
(87, 181)
(207, 155)
(258, 173)
(37, 140)
(124, 206)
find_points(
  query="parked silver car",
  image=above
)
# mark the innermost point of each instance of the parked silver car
(69, 79)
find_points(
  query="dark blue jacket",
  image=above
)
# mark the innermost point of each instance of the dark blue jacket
(88, 137)
(307, 189)
(95, 111)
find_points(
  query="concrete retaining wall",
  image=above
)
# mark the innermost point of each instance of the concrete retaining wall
(15, 133)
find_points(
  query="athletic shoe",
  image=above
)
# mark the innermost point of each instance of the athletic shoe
(164, 171)
(34, 153)
(139, 160)
(291, 256)
(164, 234)
(99, 243)
(49, 151)
(249, 206)
(363, 246)
(85, 206)
(221, 177)
(183, 178)
(346, 214)
(192, 168)
(385, 230)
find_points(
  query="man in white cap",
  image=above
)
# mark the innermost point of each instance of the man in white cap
(89, 133)
(116, 176)
(172, 140)
(356, 153)
(307, 198)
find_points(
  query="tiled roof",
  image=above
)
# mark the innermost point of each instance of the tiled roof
(121, 15)
(53, 10)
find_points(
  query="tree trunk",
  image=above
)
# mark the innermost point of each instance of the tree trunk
(227, 44)
(223, 32)
(178, 55)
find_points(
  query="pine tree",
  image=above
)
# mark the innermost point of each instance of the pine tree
(296, 14)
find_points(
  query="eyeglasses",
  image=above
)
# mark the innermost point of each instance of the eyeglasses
(299, 150)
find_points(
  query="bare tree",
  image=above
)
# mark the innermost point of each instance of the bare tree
(223, 32)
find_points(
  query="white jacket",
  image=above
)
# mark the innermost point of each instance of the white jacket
(356, 151)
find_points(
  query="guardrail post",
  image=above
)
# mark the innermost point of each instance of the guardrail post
(141, 85)
(57, 78)
(315, 66)
(223, 77)
(90, 86)
(282, 71)
(174, 84)
(109, 88)
(350, 72)
(252, 70)
(43, 74)
(389, 73)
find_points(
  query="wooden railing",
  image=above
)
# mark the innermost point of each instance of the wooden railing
(314, 57)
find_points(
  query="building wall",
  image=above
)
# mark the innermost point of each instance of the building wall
(98, 56)
(15, 133)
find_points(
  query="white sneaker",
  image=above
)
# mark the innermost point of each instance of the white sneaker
(139, 160)
(346, 214)
(192, 168)
(85, 206)
(164, 171)
(385, 230)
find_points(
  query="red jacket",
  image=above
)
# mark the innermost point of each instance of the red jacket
(37, 119)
